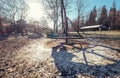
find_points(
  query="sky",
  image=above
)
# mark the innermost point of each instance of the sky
(36, 11)
(107, 3)
(98, 4)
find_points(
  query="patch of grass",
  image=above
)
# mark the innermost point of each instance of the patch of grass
(111, 34)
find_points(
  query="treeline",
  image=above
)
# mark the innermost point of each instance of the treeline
(102, 16)
(12, 17)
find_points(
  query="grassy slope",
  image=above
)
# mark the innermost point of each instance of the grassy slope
(112, 33)
(100, 34)
(111, 38)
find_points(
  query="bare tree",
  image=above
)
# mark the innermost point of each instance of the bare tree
(12, 8)
(52, 8)
(80, 7)
(9, 9)
(23, 10)
(0, 10)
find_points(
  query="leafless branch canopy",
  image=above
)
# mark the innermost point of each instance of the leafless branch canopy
(14, 9)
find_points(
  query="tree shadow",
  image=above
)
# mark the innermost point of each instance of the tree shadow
(62, 59)
(118, 50)
(67, 67)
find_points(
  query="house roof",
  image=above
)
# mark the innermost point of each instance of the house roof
(88, 27)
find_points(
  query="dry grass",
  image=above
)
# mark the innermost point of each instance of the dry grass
(110, 32)
(111, 37)
(41, 58)
(19, 59)
(72, 44)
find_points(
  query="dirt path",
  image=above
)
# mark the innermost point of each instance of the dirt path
(46, 58)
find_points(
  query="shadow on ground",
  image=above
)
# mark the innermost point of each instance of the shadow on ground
(63, 61)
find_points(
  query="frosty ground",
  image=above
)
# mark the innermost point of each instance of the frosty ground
(24, 57)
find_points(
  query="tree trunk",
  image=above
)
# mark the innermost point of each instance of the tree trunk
(62, 17)
(78, 21)
(65, 18)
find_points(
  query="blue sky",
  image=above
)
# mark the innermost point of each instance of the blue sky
(100, 3)
(36, 11)
(97, 3)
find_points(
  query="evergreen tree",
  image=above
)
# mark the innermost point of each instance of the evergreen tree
(117, 20)
(104, 17)
(112, 15)
(92, 16)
